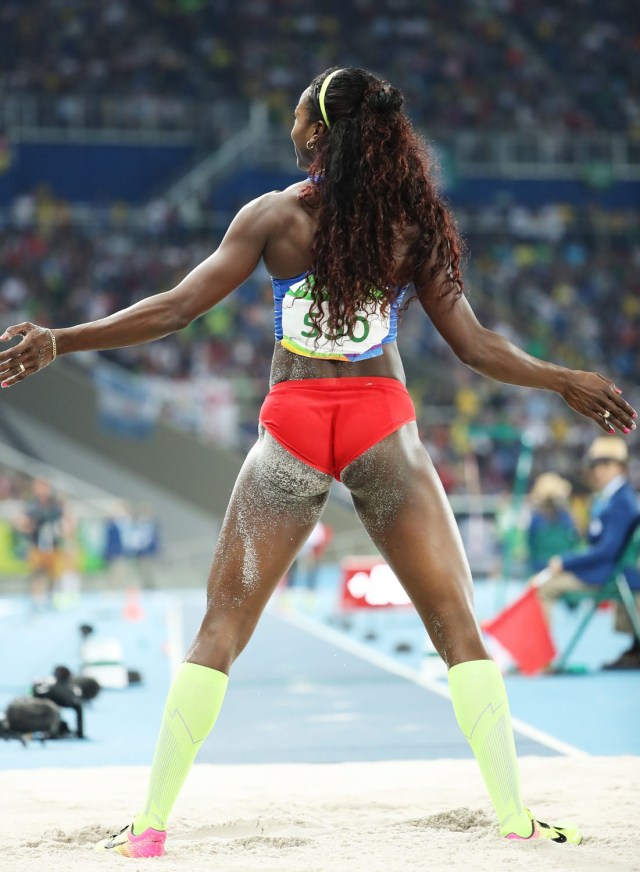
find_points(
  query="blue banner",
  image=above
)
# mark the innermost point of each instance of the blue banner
(126, 405)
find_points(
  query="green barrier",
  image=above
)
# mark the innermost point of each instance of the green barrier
(88, 552)
(90, 547)
(10, 562)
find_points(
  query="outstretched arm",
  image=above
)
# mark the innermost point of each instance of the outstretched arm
(491, 354)
(156, 316)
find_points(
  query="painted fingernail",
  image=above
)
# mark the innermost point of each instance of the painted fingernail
(611, 430)
(633, 426)
(626, 430)
(635, 415)
(618, 390)
(4, 384)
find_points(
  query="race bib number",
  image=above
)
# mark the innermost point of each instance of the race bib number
(301, 334)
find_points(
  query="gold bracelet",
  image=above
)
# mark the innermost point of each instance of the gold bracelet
(54, 349)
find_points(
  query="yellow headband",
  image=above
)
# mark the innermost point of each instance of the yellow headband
(323, 92)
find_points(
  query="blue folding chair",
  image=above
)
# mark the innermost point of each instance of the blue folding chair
(616, 588)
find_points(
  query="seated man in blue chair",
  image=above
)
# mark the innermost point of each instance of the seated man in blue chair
(614, 513)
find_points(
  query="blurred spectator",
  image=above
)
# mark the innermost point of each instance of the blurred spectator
(47, 525)
(306, 566)
(614, 512)
(132, 538)
(551, 528)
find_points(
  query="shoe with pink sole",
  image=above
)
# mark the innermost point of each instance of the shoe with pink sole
(560, 833)
(147, 844)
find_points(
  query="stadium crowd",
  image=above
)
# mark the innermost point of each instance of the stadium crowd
(545, 277)
(502, 64)
(548, 277)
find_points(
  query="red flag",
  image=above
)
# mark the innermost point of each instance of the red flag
(523, 631)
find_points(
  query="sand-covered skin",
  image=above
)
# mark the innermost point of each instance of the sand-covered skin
(352, 817)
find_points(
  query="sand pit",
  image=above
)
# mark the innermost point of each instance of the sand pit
(378, 817)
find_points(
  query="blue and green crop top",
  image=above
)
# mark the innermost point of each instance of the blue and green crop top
(295, 331)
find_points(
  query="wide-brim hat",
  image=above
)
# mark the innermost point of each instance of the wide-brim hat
(608, 448)
(550, 486)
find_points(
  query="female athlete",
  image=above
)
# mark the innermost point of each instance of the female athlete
(343, 246)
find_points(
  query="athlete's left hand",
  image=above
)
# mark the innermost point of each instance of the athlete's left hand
(597, 397)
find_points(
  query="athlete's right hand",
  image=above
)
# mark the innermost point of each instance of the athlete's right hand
(597, 397)
(34, 352)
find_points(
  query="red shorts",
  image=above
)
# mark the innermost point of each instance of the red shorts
(328, 422)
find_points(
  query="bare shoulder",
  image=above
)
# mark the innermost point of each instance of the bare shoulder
(281, 226)
(275, 208)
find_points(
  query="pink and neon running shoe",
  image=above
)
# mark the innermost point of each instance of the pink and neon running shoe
(147, 844)
(560, 833)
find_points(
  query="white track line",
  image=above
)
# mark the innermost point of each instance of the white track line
(175, 633)
(334, 637)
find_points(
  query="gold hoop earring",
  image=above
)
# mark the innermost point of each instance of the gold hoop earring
(310, 144)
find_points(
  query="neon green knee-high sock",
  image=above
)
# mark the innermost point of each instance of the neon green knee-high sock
(192, 707)
(482, 710)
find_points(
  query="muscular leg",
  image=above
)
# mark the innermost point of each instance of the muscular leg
(399, 497)
(275, 504)
(402, 504)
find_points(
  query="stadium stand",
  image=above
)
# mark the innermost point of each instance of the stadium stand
(553, 260)
(542, 276)
(500, 63)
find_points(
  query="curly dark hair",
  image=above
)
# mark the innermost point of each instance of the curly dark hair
(372, 178)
